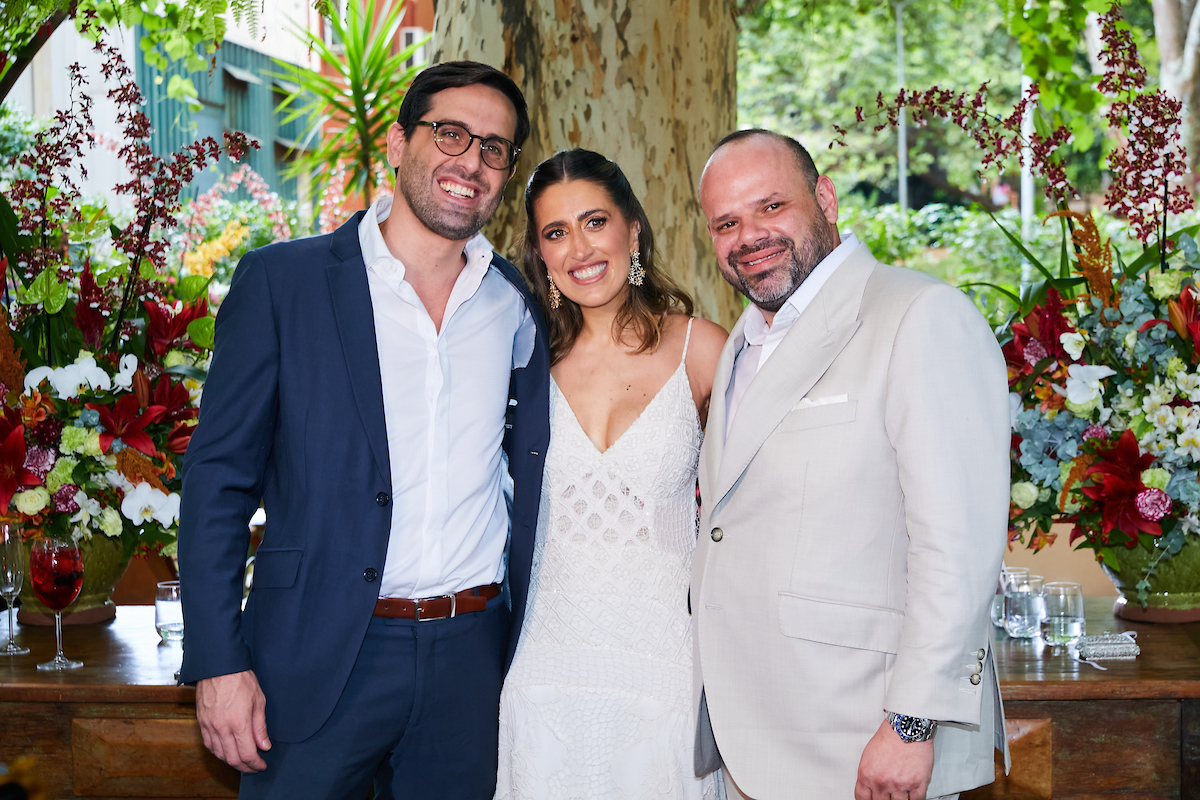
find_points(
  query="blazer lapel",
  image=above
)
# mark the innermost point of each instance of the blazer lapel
(816, 339)
(714, 431)
(352, 309)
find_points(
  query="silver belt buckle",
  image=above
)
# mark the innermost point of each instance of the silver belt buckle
(417, 608)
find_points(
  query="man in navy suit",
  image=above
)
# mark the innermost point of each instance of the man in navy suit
(374, 388)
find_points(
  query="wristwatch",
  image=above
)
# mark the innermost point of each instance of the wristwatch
(911, 729)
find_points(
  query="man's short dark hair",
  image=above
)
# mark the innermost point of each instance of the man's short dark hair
(807, 168)
(454, 74)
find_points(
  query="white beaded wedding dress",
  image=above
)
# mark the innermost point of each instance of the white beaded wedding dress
(598, 702)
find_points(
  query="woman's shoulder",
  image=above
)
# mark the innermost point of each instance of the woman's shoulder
(706, 339)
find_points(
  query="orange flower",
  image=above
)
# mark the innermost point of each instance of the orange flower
(34, 408)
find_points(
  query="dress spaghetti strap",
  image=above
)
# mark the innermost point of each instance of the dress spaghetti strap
(687, 339)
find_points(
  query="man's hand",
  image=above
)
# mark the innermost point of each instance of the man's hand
(893, 769)
(231, 710)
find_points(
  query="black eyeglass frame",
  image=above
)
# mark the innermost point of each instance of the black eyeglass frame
(437, 140)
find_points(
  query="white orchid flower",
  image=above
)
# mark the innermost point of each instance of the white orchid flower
(145, 503)
(1083, 382)
(88, 508)
(69, 380)
(1073, 344)
(124, 377)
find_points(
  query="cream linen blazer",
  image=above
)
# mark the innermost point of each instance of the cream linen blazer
(861, 500)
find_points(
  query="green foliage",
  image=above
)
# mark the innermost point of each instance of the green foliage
(803, 66)
(172, 30)
(362, 98)
(17, 130)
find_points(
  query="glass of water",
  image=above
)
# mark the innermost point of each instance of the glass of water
(1063, 623)
(998, 600)
(1023, 605)
(168, 612)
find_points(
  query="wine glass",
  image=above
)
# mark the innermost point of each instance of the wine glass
(12, 574)
(56, 575)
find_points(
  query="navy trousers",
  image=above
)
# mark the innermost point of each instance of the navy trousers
(417, 720)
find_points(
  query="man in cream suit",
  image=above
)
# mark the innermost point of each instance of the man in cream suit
(854, 486)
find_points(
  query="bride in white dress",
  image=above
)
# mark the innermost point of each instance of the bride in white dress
(598, 702)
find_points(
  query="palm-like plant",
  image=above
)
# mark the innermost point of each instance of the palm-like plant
(362, 98)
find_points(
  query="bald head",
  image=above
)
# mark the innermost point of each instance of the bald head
(804, 162)
(772, 219)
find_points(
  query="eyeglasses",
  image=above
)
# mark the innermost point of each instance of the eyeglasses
(454, 140)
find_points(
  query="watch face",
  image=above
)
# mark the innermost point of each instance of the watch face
(913, 729)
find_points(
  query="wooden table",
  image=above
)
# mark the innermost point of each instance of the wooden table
(118, 727)
(1076, 732)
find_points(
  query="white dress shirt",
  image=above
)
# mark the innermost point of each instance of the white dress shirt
(762, 337)
(445, 394)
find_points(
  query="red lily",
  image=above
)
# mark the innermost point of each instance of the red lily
(174, 397)
(121, 420)
(1185, 318)
(180, 437)
(1120, 469)
(13, 474)
(163, 328)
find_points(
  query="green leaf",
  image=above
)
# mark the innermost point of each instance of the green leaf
(57, 293)
(182, 89)
(189, 288)
(188, 371)
(1109, 557)
(202, 332)
(39, 289)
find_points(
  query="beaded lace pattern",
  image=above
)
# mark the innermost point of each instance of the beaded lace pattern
(598, 703)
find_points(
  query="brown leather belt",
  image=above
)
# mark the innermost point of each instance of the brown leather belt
(443, 606)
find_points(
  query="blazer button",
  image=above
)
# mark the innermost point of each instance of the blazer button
(717, 534)
(369, 575)
(978, 667)
(975, 679)
(979, 654)
(381, 499)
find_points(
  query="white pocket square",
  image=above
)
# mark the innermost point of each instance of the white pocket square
(813, 402)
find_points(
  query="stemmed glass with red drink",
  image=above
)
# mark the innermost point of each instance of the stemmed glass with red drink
(56, 575)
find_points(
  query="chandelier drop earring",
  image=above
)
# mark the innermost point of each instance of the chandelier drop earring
(637, 273)
(555, 294)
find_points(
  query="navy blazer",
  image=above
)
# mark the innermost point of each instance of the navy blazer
(292, 415)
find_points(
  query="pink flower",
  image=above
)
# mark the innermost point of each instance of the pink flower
(39, 461)
(1153, 504)
(64, 499)
(1095, 431)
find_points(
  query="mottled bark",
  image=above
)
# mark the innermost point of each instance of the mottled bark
(649, 84)
(1177, 33)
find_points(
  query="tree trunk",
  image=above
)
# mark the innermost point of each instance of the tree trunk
(23, 56)
(1177, 33)
(649, 85)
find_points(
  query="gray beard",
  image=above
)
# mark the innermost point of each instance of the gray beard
(414, 186)
(800, 265)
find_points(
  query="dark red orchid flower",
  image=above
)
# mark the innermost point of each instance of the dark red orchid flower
(126, 421)
(13, 474)
(174, 397)
(180, 437)
(1119, 472)
(89, 311)
(1051, 324)
(165, 328)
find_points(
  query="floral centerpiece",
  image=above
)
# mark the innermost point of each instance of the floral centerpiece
(103, 347)
(1104, 353)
